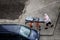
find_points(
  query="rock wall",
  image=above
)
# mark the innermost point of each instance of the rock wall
(11, 9)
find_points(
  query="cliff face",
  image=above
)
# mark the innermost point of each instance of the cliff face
(11, 9)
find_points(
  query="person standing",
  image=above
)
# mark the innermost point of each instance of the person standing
(37, 23)
(30, 24)
(29, 20)
(47, 20)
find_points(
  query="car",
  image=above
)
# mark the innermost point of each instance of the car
(24, 32)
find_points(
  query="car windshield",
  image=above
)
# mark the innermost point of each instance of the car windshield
(24, 31)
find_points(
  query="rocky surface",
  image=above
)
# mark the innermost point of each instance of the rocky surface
(36, 8)
(11, 9)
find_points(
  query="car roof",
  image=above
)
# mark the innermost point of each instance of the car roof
(23, 26)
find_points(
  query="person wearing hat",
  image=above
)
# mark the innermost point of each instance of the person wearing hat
(29, 20)
(37, 23)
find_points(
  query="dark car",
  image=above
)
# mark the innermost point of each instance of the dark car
(20, 31)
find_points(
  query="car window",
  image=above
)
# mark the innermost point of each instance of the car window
(24, 31)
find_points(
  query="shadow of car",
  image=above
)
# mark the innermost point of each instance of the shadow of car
(18, 32)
